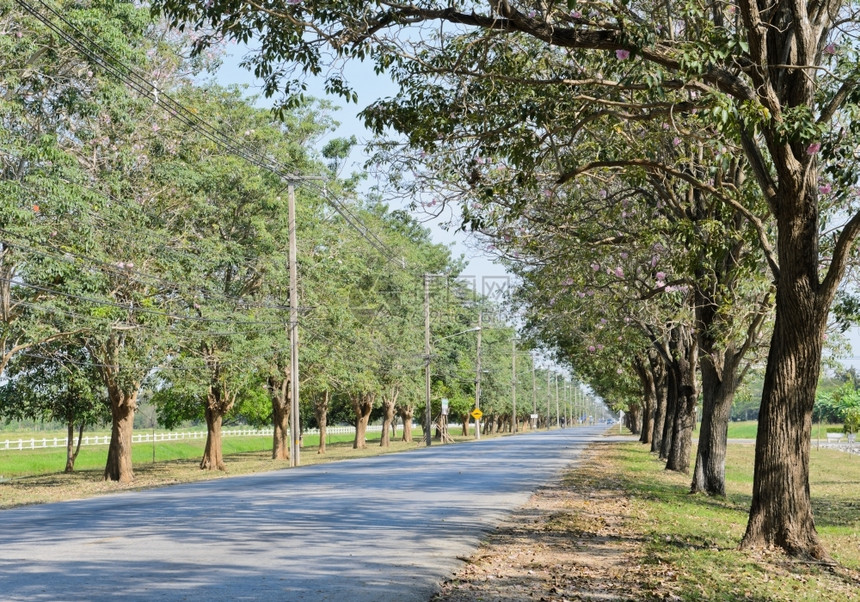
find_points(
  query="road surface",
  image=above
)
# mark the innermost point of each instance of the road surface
(386, 528)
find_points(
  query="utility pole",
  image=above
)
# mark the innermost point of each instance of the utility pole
(548, 395)
(295, 430)
(568, 395)
(514, 384)
(427, 411)
(534, 394)
(478, 376)
(557, 416)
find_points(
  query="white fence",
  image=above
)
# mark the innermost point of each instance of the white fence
(149, 437)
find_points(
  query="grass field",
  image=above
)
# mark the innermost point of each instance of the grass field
(743, 430)
(692, 539)
(43, 461)
(36, 477)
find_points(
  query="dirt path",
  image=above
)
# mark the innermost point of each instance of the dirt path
(569, 542)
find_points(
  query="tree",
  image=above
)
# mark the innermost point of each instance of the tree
(781, 74)
(55, 383)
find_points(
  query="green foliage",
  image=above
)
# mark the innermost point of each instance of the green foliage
(57, 386)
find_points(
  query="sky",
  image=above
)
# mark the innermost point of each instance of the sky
(487, 275)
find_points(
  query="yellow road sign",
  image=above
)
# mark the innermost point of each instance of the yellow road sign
(476, 414)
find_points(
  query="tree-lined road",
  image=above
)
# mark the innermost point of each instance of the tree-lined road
(382, 528)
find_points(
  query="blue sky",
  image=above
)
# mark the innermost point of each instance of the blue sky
(370, 87)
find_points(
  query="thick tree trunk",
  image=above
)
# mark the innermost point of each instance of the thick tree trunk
(661, 391)
(649, 398)
(685, 355)
(281, 430)
(279, 393)
(213, 457)
(219, 401)
(123, 405)
(389, 404)
(321, 413)
(781, 509)
(362, 404)
(633, 419)
(464, 420)
(406, 413)
(718, 391)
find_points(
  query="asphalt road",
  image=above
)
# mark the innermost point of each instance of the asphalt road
(387, 528)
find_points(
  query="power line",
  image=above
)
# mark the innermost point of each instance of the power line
(131, 307)
(139, 83)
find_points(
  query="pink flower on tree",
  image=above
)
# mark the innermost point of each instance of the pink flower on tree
(676, 141)
(660, 275)
(813, 148)
(595, 266)
(619, 272)
(591, 348)
(622, 54)
(825, 189)
(830, 49)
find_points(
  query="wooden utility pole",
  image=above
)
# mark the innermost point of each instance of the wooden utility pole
(534, 394)
(478, 376)
(514, 385)
(295, 430)
(557, 416)
(548, 395)
(428, 421)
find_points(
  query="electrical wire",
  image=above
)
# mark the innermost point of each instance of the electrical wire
(140, 84)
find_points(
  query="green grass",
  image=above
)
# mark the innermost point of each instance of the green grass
(743, 430)
(694, 539)
(15, 463)
(748, 428)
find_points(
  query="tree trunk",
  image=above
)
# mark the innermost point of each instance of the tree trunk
(781, 509)
(122, 405)
(389, 403)
(685, 356)
(649, 402)
(213, 458)
(406, 413)
(279, 393)
(672, 390)
(649, 398)
(718, 393)
(660, 401)
(633, 418)
(464, 420)
(218, 402)
(72, 449)
(321, 413)
(362, 404)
